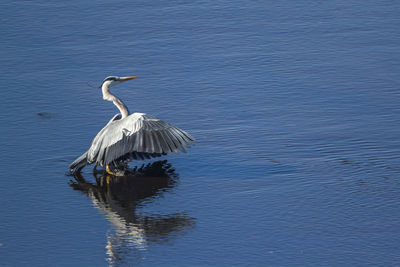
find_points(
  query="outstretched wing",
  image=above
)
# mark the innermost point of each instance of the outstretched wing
(137, 136)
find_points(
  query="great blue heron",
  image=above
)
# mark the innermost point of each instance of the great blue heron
(130, 136)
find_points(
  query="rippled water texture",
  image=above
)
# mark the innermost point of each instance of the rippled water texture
(294, 105)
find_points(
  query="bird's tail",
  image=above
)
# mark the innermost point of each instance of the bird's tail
(79, 163)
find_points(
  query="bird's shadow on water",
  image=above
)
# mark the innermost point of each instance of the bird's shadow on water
(118, 198)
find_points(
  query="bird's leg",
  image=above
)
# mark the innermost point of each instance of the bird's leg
(95, 171)
(109, 171)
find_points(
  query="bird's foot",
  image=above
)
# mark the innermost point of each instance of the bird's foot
(109, 171)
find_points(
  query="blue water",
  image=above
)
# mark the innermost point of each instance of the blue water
(294, 105)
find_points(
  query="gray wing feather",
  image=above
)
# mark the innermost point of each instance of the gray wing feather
(157, 145)
(168, 141)
(178, 137)
(79, 162)
(173, 140)
(162, 142)
(137, 136)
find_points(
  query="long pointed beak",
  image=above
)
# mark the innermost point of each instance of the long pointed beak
(124, 79)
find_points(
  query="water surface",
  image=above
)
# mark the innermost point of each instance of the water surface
(294, 105)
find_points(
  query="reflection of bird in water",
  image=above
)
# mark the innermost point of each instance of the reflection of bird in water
(130, 136)
(118, 198)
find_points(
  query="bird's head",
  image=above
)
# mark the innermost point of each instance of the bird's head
(113, 80)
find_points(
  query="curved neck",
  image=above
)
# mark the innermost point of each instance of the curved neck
(118, 102)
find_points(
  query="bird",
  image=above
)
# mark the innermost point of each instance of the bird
(136, 136)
